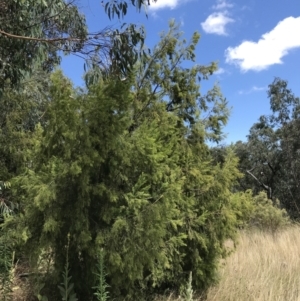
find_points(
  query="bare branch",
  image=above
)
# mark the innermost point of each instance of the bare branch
(264, 186)
(10, 35)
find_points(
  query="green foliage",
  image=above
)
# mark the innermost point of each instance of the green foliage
(101, 288)
(161, 77)
(266, 215)
(38, 286)
(6, 267)
(6, 207)
(243, 205)
(258, 211)
(7, 253)
(270, 157)
(20, 112)
(36, 20)
(124, 167)
(188, 293)
(4, 185)
(67, 287)
(42, 30)
(119, 8)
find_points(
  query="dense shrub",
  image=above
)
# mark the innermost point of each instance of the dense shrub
(258, 211)
(124, 169)
(267, 215)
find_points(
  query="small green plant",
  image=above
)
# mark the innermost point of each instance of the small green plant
(187, 290)
(67, 287)
(101, 288)
(38, 287)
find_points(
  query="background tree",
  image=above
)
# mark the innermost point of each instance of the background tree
(270, 157)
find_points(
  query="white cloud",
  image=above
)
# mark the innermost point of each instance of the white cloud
(181, 21)
(253, 89)
(216, 23)
(246, 7)
(270, 48)
(219, 71)
(160, 4)
(222, 4)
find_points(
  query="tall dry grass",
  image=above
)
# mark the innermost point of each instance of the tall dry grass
(264, 267)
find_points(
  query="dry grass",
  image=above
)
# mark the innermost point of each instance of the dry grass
(264, 267)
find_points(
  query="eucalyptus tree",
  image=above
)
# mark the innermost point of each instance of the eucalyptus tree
(31, 32)
(34, 33)
(270, 157)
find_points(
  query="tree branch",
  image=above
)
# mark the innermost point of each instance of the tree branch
(10, 35)
(266, 187)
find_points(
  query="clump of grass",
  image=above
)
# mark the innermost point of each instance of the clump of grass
(264, 267)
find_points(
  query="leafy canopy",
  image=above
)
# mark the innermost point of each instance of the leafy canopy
(270, 157)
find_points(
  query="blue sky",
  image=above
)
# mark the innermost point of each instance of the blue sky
(253, 42)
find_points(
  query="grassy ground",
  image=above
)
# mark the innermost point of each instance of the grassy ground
(264, 267)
